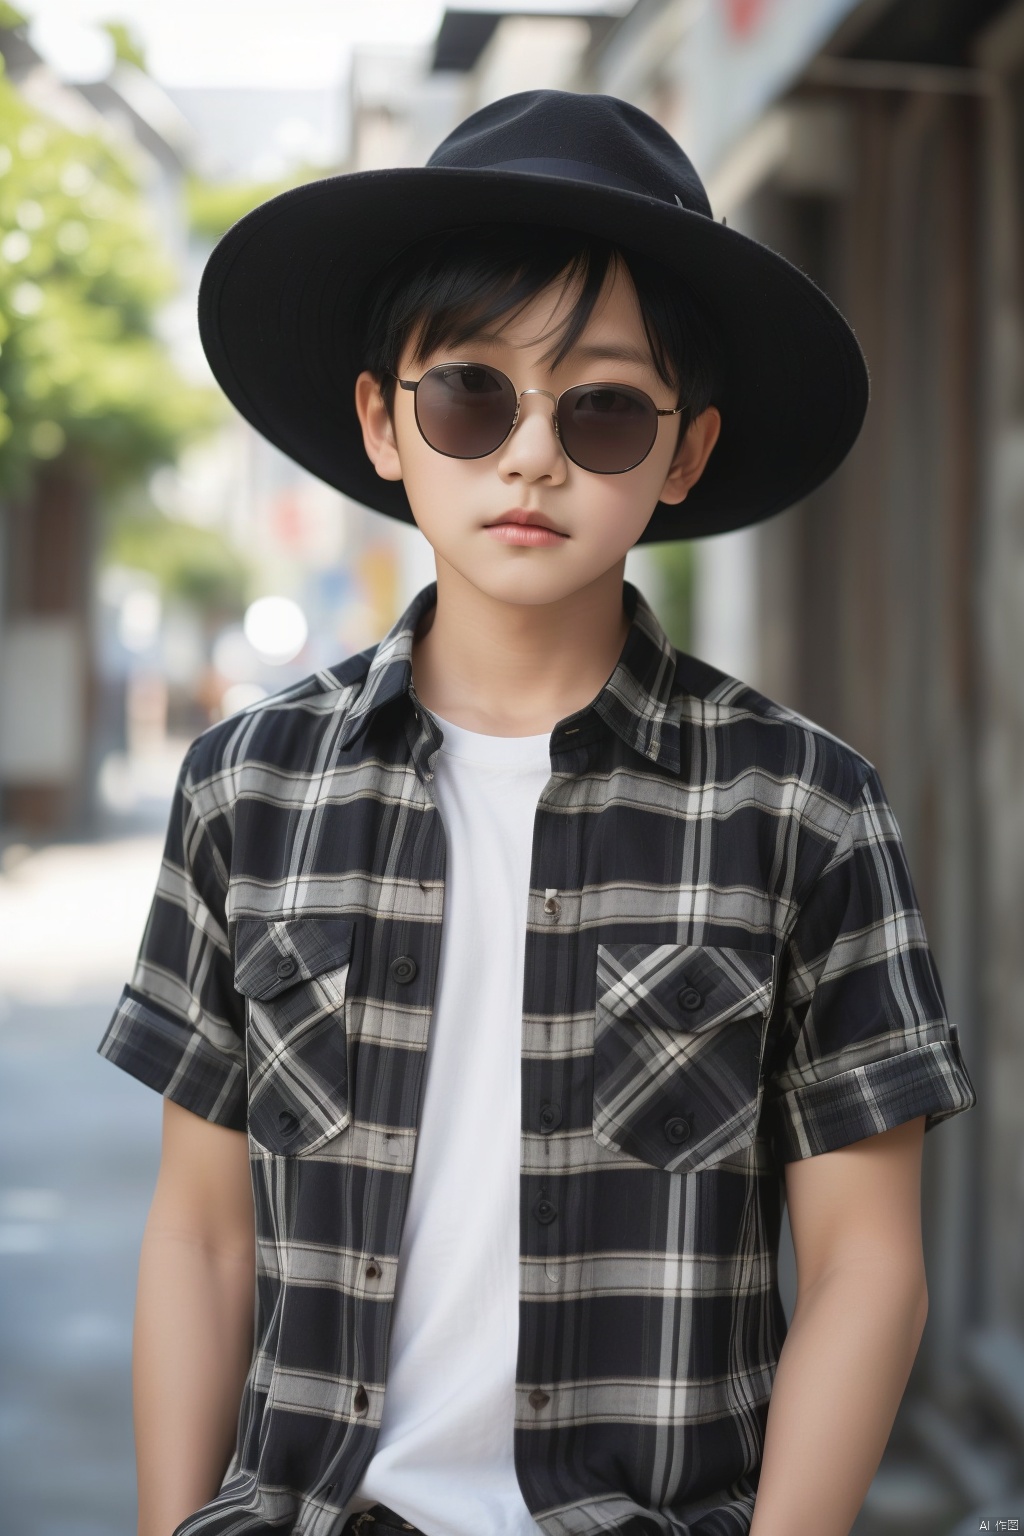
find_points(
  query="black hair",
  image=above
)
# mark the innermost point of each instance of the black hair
(447, 288)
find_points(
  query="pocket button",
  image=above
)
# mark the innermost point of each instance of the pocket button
(690, 999)
(677, 1130)
(403, 969)
(286, 967)
(287, 1123)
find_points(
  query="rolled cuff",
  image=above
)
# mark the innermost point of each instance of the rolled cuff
(177, 1060)
(820, 1117)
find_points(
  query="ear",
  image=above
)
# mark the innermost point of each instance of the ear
(378, 428)
(692, 454)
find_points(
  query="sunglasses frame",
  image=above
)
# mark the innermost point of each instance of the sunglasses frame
(414, 384)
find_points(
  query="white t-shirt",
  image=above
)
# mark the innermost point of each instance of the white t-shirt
(444, 1455)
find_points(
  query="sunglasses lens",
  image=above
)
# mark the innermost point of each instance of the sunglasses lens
(607, 428)
(465, 410)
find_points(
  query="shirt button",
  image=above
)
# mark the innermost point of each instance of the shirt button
(677, 1130)
(552, 906)
(544, 1209)
(287, 1123)
(690, 999)
(403, 969)
(373, 1270)
(550, 1118)
(539, 1399)
(287, 967)
(360, 1401)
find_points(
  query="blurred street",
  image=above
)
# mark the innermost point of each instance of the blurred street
(79, 1148)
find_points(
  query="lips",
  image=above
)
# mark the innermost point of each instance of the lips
(524, 519)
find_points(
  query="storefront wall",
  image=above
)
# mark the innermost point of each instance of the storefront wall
(866, 593)
(1001, 638)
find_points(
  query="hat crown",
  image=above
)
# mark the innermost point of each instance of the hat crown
(581, 137)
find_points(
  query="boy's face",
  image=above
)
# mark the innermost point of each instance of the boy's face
(596, 518)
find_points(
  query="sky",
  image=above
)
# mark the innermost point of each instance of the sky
(256, 43)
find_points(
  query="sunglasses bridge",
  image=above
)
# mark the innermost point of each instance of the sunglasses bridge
(519, 406)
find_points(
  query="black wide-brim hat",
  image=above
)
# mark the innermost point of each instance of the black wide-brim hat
(283, 293)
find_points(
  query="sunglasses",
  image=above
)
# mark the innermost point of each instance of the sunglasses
(467, 410)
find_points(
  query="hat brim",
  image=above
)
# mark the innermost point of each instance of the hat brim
(280, 302)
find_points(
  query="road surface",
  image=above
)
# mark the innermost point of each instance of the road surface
(79, 1147)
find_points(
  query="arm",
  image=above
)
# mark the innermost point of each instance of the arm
(860, 1311)
(193, 1318)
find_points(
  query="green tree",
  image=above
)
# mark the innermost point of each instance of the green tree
(127, 47)
(213, 206)
(675, 560)
(195, 566)
(81, 277)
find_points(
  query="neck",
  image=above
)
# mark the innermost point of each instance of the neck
(515, 669)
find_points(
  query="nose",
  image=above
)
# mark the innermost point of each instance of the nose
(533, 451)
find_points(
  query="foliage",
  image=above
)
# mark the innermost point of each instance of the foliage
(675, 562)
(127, 47)
(197, 566)
(213, 206)
(81, 277)
(10, 18)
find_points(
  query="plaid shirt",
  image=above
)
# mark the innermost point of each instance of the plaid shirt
(726, 970)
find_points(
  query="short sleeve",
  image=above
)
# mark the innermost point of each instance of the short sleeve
(180, 1024)
(863, 1042)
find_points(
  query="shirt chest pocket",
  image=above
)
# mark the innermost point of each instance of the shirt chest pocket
(294, 975)
(678, 1047)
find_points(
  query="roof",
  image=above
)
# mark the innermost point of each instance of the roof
(463, 35)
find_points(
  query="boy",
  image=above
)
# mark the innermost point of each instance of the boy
(537, 962)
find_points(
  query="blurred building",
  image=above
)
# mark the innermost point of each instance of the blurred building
(49, 689)
(96, 666)
(348, 568)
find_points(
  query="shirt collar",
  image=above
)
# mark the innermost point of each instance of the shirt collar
(636, 701)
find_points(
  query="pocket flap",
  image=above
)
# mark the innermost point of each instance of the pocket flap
(683, 987)
(273, 954)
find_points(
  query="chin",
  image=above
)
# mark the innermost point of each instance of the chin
(527, 582)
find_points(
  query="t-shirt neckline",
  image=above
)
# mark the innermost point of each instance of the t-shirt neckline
(498, 751)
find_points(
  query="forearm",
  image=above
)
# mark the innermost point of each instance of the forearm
(192, 1347)
(842, 1372)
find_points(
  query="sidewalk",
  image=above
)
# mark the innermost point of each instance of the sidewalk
(79, 1149)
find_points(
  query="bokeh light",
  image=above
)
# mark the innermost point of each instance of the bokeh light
(276, 628)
